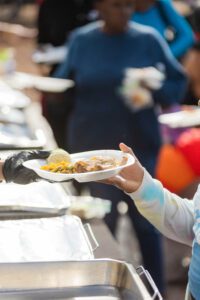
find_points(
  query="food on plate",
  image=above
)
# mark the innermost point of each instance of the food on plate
(59, 155)
(92, 164)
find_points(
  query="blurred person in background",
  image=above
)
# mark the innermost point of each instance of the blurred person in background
(194, 19)
(56, 19)
(191, 64)
(161, 15)
(97, 57)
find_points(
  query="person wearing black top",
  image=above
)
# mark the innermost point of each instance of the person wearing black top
(56, 20)
(191, 64)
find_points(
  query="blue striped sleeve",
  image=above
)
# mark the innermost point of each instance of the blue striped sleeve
(184, 35)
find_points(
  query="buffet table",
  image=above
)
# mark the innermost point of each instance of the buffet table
(107, 245)
(34, 267)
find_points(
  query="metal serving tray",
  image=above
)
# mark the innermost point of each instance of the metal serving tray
(17, 136)
(47, 239)
(35, 200)
(15, 212)
(81, 280)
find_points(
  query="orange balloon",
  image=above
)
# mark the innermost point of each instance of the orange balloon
(173, 170)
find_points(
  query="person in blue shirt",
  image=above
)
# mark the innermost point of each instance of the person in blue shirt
(98, 55)
(161, 15)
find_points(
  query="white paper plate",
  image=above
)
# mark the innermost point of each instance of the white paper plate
(50, 55)
(54, 85)
(181, 119)
(82, 177)
(13, 99)
(20, 80)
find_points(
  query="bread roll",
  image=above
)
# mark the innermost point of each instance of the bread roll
(59, 155)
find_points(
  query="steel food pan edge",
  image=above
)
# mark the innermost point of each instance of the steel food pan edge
(26, 280)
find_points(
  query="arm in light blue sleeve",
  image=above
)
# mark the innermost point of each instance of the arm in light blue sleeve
(175, 83)
(171, 215)
(184, 38)
(194, 271)
(196, 227)
(67, 67)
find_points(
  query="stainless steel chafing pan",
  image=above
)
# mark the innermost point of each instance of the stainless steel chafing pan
(95, 279)
(14, 212)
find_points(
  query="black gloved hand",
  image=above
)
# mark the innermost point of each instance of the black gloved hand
(14, 171)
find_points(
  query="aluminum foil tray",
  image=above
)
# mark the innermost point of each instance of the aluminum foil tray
(47, 239)
(81, 280)
(35, 200)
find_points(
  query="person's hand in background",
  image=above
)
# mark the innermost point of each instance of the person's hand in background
(138, 84)
(130, 178)
(12, 169)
